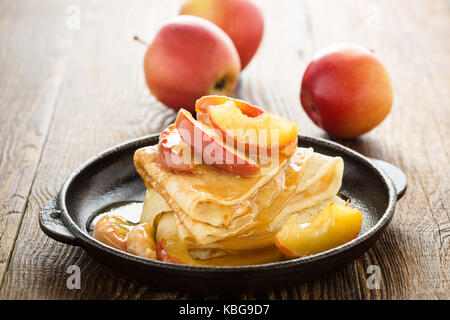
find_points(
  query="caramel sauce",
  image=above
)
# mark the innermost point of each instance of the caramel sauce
(260, 232)
(129, 211)
(226, 186)
(280, 191)
(176, 248)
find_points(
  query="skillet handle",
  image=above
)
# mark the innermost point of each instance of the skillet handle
(397, 176)
(52, 225)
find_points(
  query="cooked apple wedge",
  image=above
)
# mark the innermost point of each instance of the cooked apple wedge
(163, 254)
(173, 153)
(169, 246)
(112, 231)
(140, 241)
(331, 227)
(214, 152)
(202, 105)
(265, 130)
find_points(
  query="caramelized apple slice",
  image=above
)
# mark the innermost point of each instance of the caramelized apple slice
(266, 130)
(211, 148)
(169, 246)
(112, 231)
(202, 105)
(331, 227)
(173, 153)
(164, 255)
(140, 241)
(290, 148)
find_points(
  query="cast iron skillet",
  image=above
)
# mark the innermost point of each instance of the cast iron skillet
(373, 186)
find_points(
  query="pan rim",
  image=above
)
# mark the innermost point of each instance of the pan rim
(85, 239)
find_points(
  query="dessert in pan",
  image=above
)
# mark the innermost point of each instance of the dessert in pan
(232, 188)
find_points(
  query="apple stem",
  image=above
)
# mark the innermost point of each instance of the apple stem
(140, 41)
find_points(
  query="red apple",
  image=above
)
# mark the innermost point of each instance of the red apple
(211, 147)
(242, 20)
(190, 57)
(346, 90)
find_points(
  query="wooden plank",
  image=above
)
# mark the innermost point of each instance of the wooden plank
(103, 101)
(32, 70)
(412, 255)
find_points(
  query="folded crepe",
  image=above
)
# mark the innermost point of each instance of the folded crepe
(214, 214)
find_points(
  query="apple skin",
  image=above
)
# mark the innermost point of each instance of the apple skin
(346, 90)
(242, 20)
(190, 57)
(168, 156)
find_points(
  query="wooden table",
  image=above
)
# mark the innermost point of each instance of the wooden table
(67, 94)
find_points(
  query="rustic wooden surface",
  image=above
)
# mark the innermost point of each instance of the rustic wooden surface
(66, 95)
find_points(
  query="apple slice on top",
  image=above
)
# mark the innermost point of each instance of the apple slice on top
(265, 130)
(173, 153)
(210, 146)
(202, 105)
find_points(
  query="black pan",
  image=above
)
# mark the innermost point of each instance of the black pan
(373, 186)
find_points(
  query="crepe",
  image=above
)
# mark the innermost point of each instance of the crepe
(214, 214)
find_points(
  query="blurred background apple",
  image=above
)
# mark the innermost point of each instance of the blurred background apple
(190, 57)
(242, 20)
(346, 90)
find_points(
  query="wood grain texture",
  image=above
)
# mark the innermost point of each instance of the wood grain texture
(66, 95)
(29, 87)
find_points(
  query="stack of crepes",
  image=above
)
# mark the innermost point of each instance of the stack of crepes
(208, 217)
